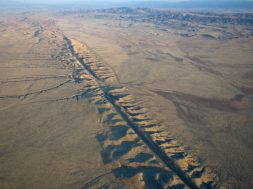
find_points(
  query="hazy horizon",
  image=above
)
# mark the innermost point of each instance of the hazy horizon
(87, 1)
(135, 3)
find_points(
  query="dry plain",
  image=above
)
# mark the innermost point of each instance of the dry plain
(124, 98)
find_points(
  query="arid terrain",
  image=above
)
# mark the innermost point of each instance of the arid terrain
(126, 98)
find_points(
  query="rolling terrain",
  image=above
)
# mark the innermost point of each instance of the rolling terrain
(126, 98)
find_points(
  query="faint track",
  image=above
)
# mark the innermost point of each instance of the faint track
(28, 79)
(103, 90)
(36, 92)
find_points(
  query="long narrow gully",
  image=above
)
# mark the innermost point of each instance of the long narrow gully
(167, 161)
(153, 146)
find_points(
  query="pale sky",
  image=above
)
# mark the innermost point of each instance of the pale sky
(88, 1)
(112, 1)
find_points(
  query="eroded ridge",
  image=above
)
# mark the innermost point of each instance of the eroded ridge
(141, 150)
(91, 62)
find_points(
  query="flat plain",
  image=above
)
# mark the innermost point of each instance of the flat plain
(126, 98)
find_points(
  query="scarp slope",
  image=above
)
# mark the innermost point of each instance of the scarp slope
(133, 140)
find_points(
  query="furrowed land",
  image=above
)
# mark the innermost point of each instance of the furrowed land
(126, 98)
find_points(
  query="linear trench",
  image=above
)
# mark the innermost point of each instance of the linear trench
(157, 151)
